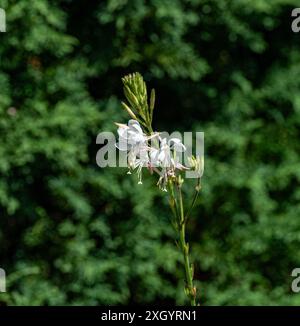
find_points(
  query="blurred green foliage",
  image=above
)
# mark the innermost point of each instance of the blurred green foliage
(72, 233)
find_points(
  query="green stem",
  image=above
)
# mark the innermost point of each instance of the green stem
(190, 289)
(173, 202)
(196, 193)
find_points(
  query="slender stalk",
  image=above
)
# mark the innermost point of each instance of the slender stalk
(190, 288)
(196, 193)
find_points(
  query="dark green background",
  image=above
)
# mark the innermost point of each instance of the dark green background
(72, 233)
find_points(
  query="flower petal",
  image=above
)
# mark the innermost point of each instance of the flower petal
(177, 145)
(122, 145)
(133, 124)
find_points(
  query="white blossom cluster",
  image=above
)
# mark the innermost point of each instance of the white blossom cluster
(153, 152)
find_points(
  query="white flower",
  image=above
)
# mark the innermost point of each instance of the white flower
(140, 154)
(130, 136)
(134, 141)
(163, 157)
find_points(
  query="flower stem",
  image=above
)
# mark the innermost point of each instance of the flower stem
(197, 190)
(184, 246)
(190, 289)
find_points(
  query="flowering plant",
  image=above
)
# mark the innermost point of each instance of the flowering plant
(148, 149)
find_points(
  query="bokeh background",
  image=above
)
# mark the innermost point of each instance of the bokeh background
(72, 233)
